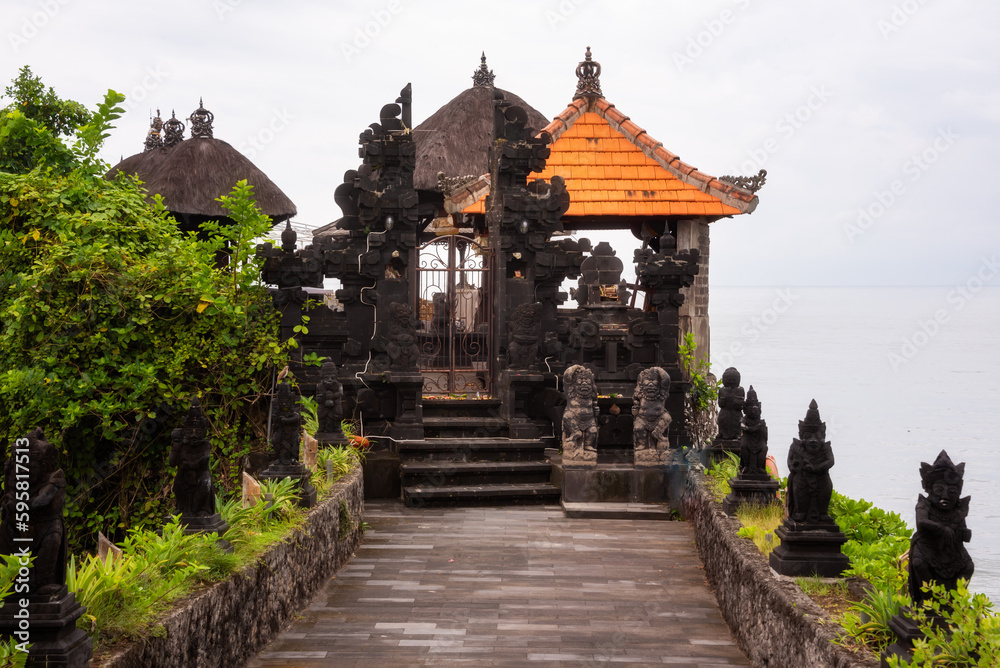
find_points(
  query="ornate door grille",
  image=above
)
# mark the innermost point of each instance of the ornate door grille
(455, 303)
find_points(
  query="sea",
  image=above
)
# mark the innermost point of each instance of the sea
(899, 374)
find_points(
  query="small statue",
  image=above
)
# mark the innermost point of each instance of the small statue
(329, 404)
(937, 550)
(753, 442)
(810, 459)
(190, 452)
(579, 423)
(286, 424)
(650, 419)
(44, 525)
(401, 341)
(522, 352)
(730, 405)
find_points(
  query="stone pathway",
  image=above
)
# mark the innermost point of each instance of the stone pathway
(511, 587)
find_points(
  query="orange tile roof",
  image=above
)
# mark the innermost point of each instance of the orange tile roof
(612, 167)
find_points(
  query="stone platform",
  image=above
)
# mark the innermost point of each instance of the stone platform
(512, 587)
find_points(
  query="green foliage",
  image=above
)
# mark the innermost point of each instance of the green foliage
(720, 473)
(868, 620)
(702, 392)
(876, 541)
(30, 126)
(346, 524)
(310, 421)
(110, 312)
(759, 524)
(10, 656)
(28, 95)
(970, 635)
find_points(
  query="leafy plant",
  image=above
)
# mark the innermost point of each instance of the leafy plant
(112, 319)
(310, 421)
(719, 474)
(968, 636)
(10, 655)
(868, 620)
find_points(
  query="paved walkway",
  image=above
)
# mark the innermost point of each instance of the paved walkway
(511, 587)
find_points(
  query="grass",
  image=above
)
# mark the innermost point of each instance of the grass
(759, 523)
(126, 596)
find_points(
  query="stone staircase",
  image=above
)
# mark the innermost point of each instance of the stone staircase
(466, 457)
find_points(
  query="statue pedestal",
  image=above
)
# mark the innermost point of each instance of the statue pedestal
(296, 471)
(755, 488)
(906, 631)
(579, 457)
(523, 388)
(718, 449)
(647, 457)
(809, 549)
(55, 639)
(619, 483)
(207, 524)
(408, 423)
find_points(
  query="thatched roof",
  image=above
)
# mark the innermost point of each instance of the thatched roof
(192, 173)
(456, 138)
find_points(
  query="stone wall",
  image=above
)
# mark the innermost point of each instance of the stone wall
(774, 623)
(231, 621)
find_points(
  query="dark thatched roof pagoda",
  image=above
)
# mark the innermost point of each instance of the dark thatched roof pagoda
(190, 174)
(456, 138)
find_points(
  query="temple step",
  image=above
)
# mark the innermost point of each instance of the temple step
(536, 492)
(464, 426)
(447, 473)
(471, 408)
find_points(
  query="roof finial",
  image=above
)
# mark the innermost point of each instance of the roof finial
(201, 121)
(154, 138)
(173, 130)
(483, 77)
(589, 74)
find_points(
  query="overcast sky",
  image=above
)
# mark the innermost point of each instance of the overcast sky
(876, 121)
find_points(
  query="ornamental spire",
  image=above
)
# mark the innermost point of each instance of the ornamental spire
(483, 77)
(201, 121)
(589, 74)
(154, 138)
(173, 131)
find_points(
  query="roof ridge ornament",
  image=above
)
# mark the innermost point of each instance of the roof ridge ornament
(751, 183)
(173, 130)
(201, 121)
(483, 77)
(154, 137)
(589, 74)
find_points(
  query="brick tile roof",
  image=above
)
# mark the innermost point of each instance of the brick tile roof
(612, 167)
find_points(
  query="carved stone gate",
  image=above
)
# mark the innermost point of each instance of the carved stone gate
(455, 309)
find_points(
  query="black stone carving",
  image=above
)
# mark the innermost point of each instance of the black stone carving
(753, 438)
(401, 337)
(810, 459)
(522, 351)
(810, 540)
(650, 419)
(731, 398)
(579, 422)
(154, 138)
(286, 430)
(329, 406)
(32, 522)
(937, 548)
(752, 484)
(286, 424)
(190, 452)
(173, 131)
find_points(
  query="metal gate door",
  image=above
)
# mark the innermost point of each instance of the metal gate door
(455, 303)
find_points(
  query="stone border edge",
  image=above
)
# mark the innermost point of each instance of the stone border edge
(231, 621)
(774, 623)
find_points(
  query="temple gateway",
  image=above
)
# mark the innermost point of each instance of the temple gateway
(467, 287)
